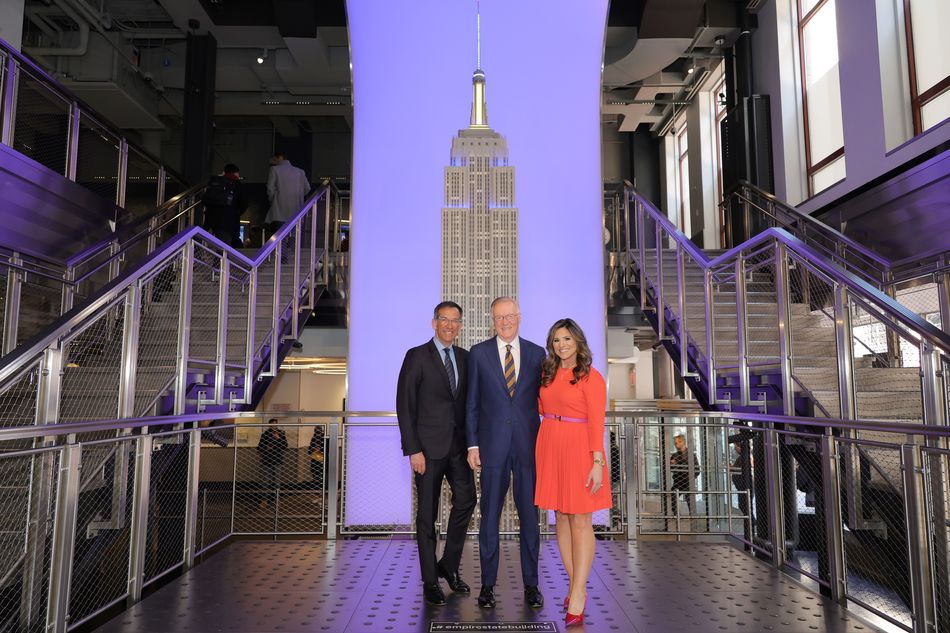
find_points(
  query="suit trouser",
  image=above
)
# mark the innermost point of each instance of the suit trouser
(494, 482)
(455, 469)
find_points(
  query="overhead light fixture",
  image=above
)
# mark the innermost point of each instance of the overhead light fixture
(690, 70)
(262, 56)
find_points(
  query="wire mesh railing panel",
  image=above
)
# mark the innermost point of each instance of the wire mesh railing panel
(141, 185)
(18, 401)
(239, 295)
(41, 301)
(686, 485)
(725, 320)
(265, 300)
(372, 439)
(41, 128)
(27, 500)
(922, 299)
(742, 479)
(168, 503)
(803, 503)
(158, 335)
(761, 310)
(280, 485)
(173, 186)
(875, 531)
(937, 485)
(695, 303)
(97, 167)
(811, 327)
(100, 568)
(216, 492)
(205, 297)
(887, 383)
(91, 367)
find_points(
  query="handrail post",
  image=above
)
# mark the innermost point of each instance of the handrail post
(776, 518)
(834, 525)
(918, 540)
(932, 375)
(160, 190)
(138, 533)
(152, 241)
(130, 349)
(332, 464)
(72, 142)
(191, 496)
(250, 338)
(11, 307)
(709, 295)
(295, 301)
(631, 463)
(221, 356)
(641, 238)
(746, 215)
(894, 356)
(123, 175)
(658, 292)
(943, 301)
(11, 77)
(312, 269)
(844, 346)
(742, 321)
(783, 298)
(681, 301)
(275, 312)
(68, 296)
(326, 241)
(184, 328)
(64, 539)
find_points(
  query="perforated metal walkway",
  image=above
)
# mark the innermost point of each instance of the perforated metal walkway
(372, 586)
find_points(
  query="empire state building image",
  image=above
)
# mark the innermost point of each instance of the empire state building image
(479, 221)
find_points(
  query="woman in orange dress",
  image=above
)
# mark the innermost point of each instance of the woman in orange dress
(572, 476)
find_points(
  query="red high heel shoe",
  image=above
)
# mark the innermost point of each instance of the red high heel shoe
(571, 618)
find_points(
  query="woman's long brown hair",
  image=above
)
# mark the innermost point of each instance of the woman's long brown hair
(552, 361)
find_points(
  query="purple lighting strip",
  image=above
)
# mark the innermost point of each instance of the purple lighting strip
(412, 88)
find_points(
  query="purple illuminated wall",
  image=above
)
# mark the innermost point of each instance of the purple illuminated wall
(412, 71)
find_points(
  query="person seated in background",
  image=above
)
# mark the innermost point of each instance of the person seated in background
(225, 202)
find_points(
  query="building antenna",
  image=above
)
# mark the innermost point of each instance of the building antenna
(478, 29)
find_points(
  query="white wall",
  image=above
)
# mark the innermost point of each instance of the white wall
(11, 22)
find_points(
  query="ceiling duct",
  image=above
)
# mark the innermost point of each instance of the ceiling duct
(296, 18)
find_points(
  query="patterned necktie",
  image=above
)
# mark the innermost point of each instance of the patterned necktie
(450, 371)
(510, 371)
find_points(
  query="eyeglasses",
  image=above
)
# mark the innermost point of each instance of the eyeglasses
(447, 321)
(498, 318)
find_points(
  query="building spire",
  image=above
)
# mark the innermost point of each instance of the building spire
(479, 107)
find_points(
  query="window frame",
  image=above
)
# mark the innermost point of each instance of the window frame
(811, 168)
(918, 101)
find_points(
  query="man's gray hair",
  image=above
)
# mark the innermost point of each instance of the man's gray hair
(498, 300)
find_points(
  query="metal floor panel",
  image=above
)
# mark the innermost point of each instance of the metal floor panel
(373, 586)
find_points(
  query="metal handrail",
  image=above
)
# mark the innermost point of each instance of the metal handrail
(26, 354)
(862, 288)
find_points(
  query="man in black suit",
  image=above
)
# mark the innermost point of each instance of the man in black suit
(430, 404)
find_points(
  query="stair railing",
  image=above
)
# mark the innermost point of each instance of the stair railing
(669, 269)
(196, 314)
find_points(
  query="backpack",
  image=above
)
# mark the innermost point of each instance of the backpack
(220, 192)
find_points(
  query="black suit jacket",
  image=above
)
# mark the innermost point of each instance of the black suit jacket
(431, 419)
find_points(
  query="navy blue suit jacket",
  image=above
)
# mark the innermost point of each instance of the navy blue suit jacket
(495, 421)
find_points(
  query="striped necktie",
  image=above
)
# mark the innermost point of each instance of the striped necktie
(510, 371)
(450, 371)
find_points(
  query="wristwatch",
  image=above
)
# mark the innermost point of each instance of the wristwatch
(599, 461)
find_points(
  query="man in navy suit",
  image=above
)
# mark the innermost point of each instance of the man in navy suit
(501, 421)
(430, 404)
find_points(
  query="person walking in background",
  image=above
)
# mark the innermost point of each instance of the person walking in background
(430, 406)
(225, 202)
(680, 474)
(572, 471)
(502, 427)
(271, 450)
(287, 188)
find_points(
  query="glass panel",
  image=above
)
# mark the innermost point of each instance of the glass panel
(936, 111)
(929, 22)
(822, 88)
(828, 175)
(97, 168)
(141, 191)
(808, 5)
(41, 129)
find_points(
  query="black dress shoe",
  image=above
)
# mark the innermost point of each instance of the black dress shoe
(533, 597)
(486, 597)
(432, 592)
(455, 581)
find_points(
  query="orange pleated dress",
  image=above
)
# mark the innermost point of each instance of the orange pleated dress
(565, 450)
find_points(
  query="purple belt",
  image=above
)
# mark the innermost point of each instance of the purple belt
(564, 418)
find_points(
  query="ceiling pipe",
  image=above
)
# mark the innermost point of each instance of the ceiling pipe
(75, 51)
